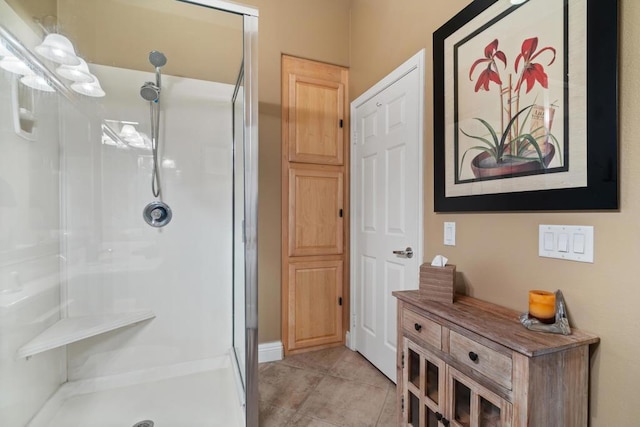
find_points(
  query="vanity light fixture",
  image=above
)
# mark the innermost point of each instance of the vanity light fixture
(29, 78)
(59, 49)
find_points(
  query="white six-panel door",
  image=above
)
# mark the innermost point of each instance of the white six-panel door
(386, 206)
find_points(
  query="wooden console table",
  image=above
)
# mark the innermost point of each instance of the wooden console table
(472, 363)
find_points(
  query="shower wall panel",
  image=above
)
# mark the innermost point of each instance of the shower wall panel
(29, 261)
(29, 244)
(116, 262)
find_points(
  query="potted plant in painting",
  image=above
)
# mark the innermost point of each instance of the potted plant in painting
(523, 142)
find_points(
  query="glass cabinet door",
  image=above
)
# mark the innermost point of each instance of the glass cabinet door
(474, 405)
(432, 382)
(413, 411)
(431, 418)
(413, 361)
(461, 404)
(489, 414)
(424, 375)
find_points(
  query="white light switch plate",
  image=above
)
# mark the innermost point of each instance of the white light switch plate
(450, 233)
(570, 242)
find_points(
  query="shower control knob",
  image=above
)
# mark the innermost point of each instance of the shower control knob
(157, 214)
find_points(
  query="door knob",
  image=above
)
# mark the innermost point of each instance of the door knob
(407, 253)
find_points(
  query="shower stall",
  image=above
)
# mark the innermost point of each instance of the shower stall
(128, 222)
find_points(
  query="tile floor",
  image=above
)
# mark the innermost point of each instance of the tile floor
(335, 387)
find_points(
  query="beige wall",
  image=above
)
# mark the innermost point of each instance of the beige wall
(497, 253)
(199, 43)
(31, 10)
(312, 29)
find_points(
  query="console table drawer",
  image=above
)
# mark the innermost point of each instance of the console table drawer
(423, 328)
(486, 361)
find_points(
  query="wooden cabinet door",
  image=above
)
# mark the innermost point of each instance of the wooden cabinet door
(315, 207)
(314, 301)
(315, 210)
(314, 114)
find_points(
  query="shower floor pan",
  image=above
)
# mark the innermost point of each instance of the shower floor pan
(205, 398)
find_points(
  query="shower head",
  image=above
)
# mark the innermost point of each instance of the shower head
(150, 91)
(157, 58)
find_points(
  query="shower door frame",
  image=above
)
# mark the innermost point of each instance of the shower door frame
(250, 69)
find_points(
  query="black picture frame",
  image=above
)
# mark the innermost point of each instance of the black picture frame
(601, 120)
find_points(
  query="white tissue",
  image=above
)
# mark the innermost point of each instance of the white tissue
(439, 261)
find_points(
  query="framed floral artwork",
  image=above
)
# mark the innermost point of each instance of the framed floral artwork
(526, 107)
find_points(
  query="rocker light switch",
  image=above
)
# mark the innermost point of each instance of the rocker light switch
(548, 241)
(563, 242)
(567, 242)
(450, 233)
(578, 243)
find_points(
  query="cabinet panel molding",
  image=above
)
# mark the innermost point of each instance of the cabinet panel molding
(316, 210)
(315, 312)
(316, 120)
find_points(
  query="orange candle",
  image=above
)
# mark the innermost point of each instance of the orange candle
(542, 306)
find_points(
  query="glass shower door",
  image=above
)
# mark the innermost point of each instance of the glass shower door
(239, 324)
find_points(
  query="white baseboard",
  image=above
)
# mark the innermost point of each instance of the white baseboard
(270, 351)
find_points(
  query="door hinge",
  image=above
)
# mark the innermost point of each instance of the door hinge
(340, 301)
(341, 123)
(340, 213)
(402, 360)
(402, 404)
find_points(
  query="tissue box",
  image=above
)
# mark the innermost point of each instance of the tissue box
(436, 283)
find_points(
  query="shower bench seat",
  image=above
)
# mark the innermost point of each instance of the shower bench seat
(72, 329)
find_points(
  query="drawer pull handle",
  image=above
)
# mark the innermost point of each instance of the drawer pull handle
(445, 422)
(438, 416)
(473, 356)
(417, 326)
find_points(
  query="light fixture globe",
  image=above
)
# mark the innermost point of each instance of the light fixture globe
(78, 73)
(58, 48)
(91, 88)
(15, 66)
(36, 82)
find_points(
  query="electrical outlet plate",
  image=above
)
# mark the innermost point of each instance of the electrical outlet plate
(569, 242)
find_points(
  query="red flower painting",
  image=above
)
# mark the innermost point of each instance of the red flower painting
(509, 143)
(532, 71)
(491, 73)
